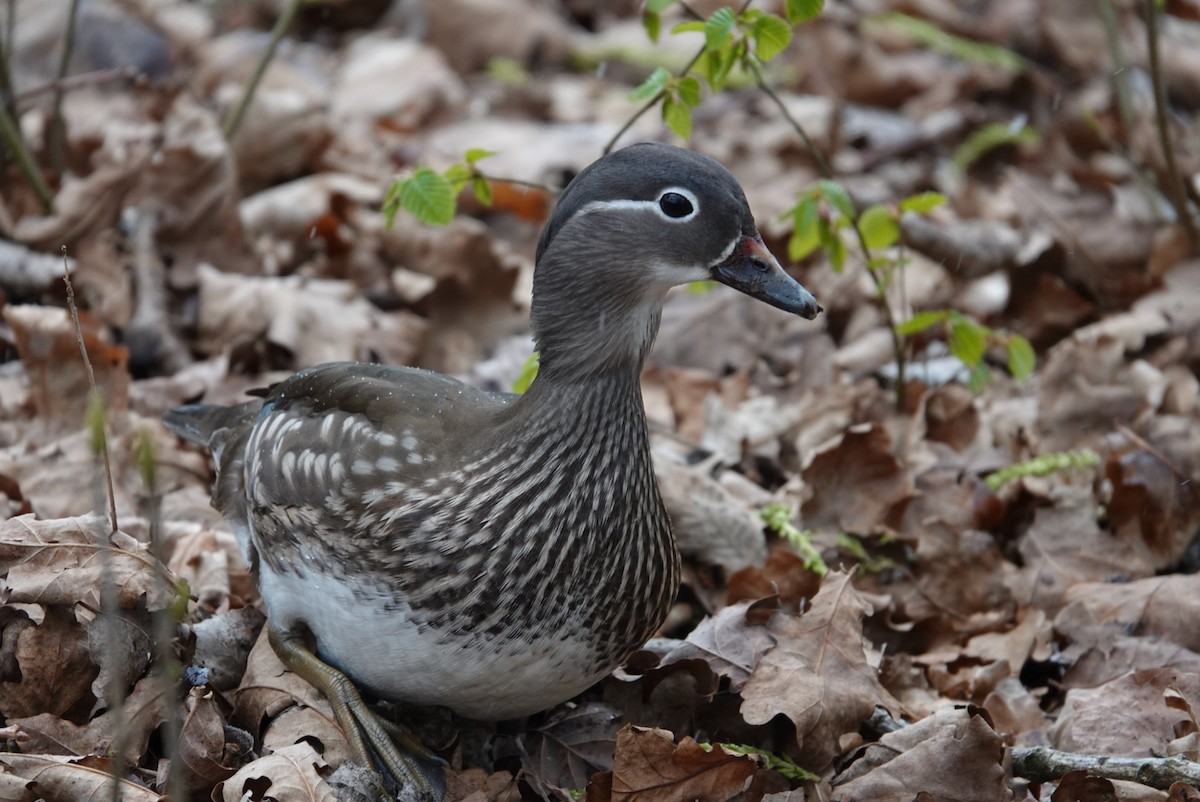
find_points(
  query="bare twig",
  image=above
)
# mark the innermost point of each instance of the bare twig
(518, 182)
(56, 136)
(87, 363)
(1042, 764)
(149, 335)
(281, 27)
(80, 80)
(814, 151)
(1174, 179)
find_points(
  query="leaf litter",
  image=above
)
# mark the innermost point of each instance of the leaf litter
(961, 620)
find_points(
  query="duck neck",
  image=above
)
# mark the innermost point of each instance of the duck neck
(590, 322)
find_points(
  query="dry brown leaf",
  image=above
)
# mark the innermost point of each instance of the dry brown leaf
(316, 320)
(1126, 717)
(952, 756)
(783, 573)
(46, 341)
(476, 785)
(562, 754)
(817, 673)
(54, 668)
(292, 774)
(62, 562)
(1065, 545)
(710, 524)
(648, 766)
(140, 714)
(855, 483)
(1166, 607)
(201, 747)
(728, 642)
(73, 778)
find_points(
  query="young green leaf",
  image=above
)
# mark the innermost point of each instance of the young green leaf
(652, 22)
(878, 227)
(529, 372)
(473, 155)
(806, 237)
(771, 36)
(659, 6)
(482, 189)
(719, 27)
(923, 202)
(690, 25)
(677, 117)
(836, 196)
(968, 340)
(799, 11)
(1021, 358)
(654, 84)
(689, 91)
(921, 321)
(834, 247)
(926, 33)
(428, 196)
(978, 378)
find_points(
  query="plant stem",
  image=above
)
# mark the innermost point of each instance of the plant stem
(818, 157)
(1174, 179)
(10, 135)
(281, 26)
(56, 135)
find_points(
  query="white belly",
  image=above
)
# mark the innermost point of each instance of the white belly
(476, 675)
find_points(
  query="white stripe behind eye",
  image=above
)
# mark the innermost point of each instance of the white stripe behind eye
(630, 205)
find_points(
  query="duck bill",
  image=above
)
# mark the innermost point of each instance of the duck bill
(752, 269)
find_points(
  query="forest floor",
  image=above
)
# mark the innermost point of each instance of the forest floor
(979, 584)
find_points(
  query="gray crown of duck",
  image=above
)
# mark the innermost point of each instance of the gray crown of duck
(491, 553)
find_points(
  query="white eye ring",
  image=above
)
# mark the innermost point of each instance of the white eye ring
(685, 195)
(653, 205)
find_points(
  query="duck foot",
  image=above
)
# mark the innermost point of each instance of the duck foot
(374, 741)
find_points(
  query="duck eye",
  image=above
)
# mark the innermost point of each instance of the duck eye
(675, 205)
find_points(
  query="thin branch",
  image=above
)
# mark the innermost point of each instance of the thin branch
(520, 182)
(1174, 179)
(281, 27)
(818, 157)
(68, 83)
(1042, 764)
(87, 363)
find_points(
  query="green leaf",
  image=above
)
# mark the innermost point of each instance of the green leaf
(835, 248)
(690, 25)
(923, 202)
(806, 237)
(428, 196)
(659, 6)
(677, 117)
(653, 24)
(689, 91)
(474, 155)
(836, 196)
(482, 189)
(771, 35)
(719, 27)
(799, 11)
(878, 227)
(1021, 358)
(968, 340)
(529, 372)
(921, 321)
(716, 65)
(458, 174)
(650, 87)
(978, 378)
(700, 287)
(992, 136)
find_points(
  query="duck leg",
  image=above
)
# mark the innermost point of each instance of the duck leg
(397, 751)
